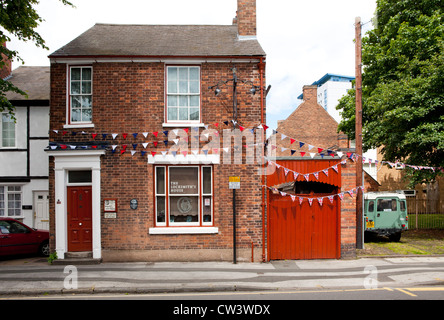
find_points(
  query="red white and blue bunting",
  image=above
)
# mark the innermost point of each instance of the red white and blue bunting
(158, 139)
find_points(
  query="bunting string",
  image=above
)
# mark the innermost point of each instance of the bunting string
(134, 147)
(352, 193)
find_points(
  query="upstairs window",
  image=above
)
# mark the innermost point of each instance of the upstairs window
(80, 95)
(7, 132)
(183, 94)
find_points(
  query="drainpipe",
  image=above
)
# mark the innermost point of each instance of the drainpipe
(261, 67)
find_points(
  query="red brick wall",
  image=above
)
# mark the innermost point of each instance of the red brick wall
(246, 17)
(129, 98)
(348, 211)
(5, 71)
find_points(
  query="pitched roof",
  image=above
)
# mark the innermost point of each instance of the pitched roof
(33, 80)
(160, 40)
(310, 124)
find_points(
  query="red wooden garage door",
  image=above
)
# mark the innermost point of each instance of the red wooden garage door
(301, 231)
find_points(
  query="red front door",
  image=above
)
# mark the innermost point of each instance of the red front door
(79, 219)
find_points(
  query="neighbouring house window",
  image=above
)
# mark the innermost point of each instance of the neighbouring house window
(184, 196)
(183, 94)
(80, 95)
(10, 201)
(7, 131)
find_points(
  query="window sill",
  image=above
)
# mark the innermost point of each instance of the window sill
(183, 125)
(184, 230)
(80, 125)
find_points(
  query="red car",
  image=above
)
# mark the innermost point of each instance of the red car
(17, 238)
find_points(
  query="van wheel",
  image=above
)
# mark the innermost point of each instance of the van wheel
(395, 237)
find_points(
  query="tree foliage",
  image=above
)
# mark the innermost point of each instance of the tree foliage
(403, 85)
(18, 18)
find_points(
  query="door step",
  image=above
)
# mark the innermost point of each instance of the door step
(77, 258)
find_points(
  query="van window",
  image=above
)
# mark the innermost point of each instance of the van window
(387, 205)
(402, 205)
(371, 206)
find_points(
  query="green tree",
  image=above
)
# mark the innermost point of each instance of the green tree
(18, 18)
(403, 86)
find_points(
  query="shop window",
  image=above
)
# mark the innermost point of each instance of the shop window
(184, 196)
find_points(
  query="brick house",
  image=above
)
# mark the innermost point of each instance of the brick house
(139, 156)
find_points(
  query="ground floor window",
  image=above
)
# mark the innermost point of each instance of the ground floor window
(184, 195)
(10, 201)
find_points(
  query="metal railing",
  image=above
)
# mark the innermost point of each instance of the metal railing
(425, 214)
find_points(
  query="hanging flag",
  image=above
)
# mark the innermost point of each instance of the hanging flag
(292, 140)
(310, 201)
(301, 144)
(145, 134)
(135, 135)
(331, 198)
(115, 135)
(124, 135)
(320, 200)
(155, 133)
(94, 135)
(300, 200)
(153, 153)
(303, 154)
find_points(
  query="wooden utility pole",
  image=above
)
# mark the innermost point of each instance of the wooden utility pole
(358, 137)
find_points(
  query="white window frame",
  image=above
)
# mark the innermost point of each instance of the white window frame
(167, 194)
(70, 95)
(164, 194)
(5, 207)
(2, 145)
(178, 94)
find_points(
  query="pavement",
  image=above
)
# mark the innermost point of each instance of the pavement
(34, 276)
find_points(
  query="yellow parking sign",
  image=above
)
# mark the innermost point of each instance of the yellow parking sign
(234, 182)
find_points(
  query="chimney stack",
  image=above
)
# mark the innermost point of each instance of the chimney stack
(5, 70)
(310, 93)
(246, 19)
